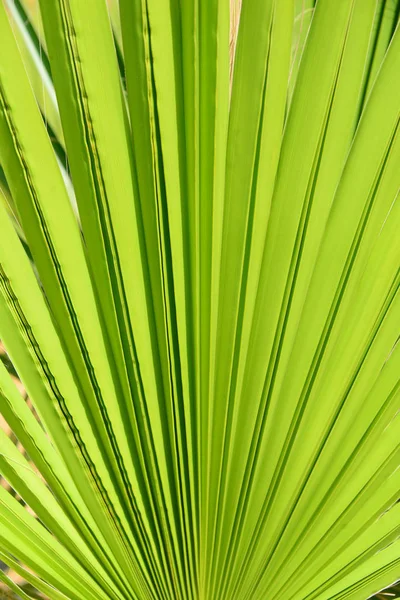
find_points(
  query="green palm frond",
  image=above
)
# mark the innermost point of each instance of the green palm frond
(199, 299)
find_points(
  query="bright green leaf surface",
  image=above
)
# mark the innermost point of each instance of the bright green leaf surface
(199, 277)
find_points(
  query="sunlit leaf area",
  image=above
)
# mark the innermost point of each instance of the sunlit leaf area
(199, 299)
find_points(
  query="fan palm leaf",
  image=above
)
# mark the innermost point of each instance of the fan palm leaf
(199, 277)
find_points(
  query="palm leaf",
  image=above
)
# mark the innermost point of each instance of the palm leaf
(199, 276)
